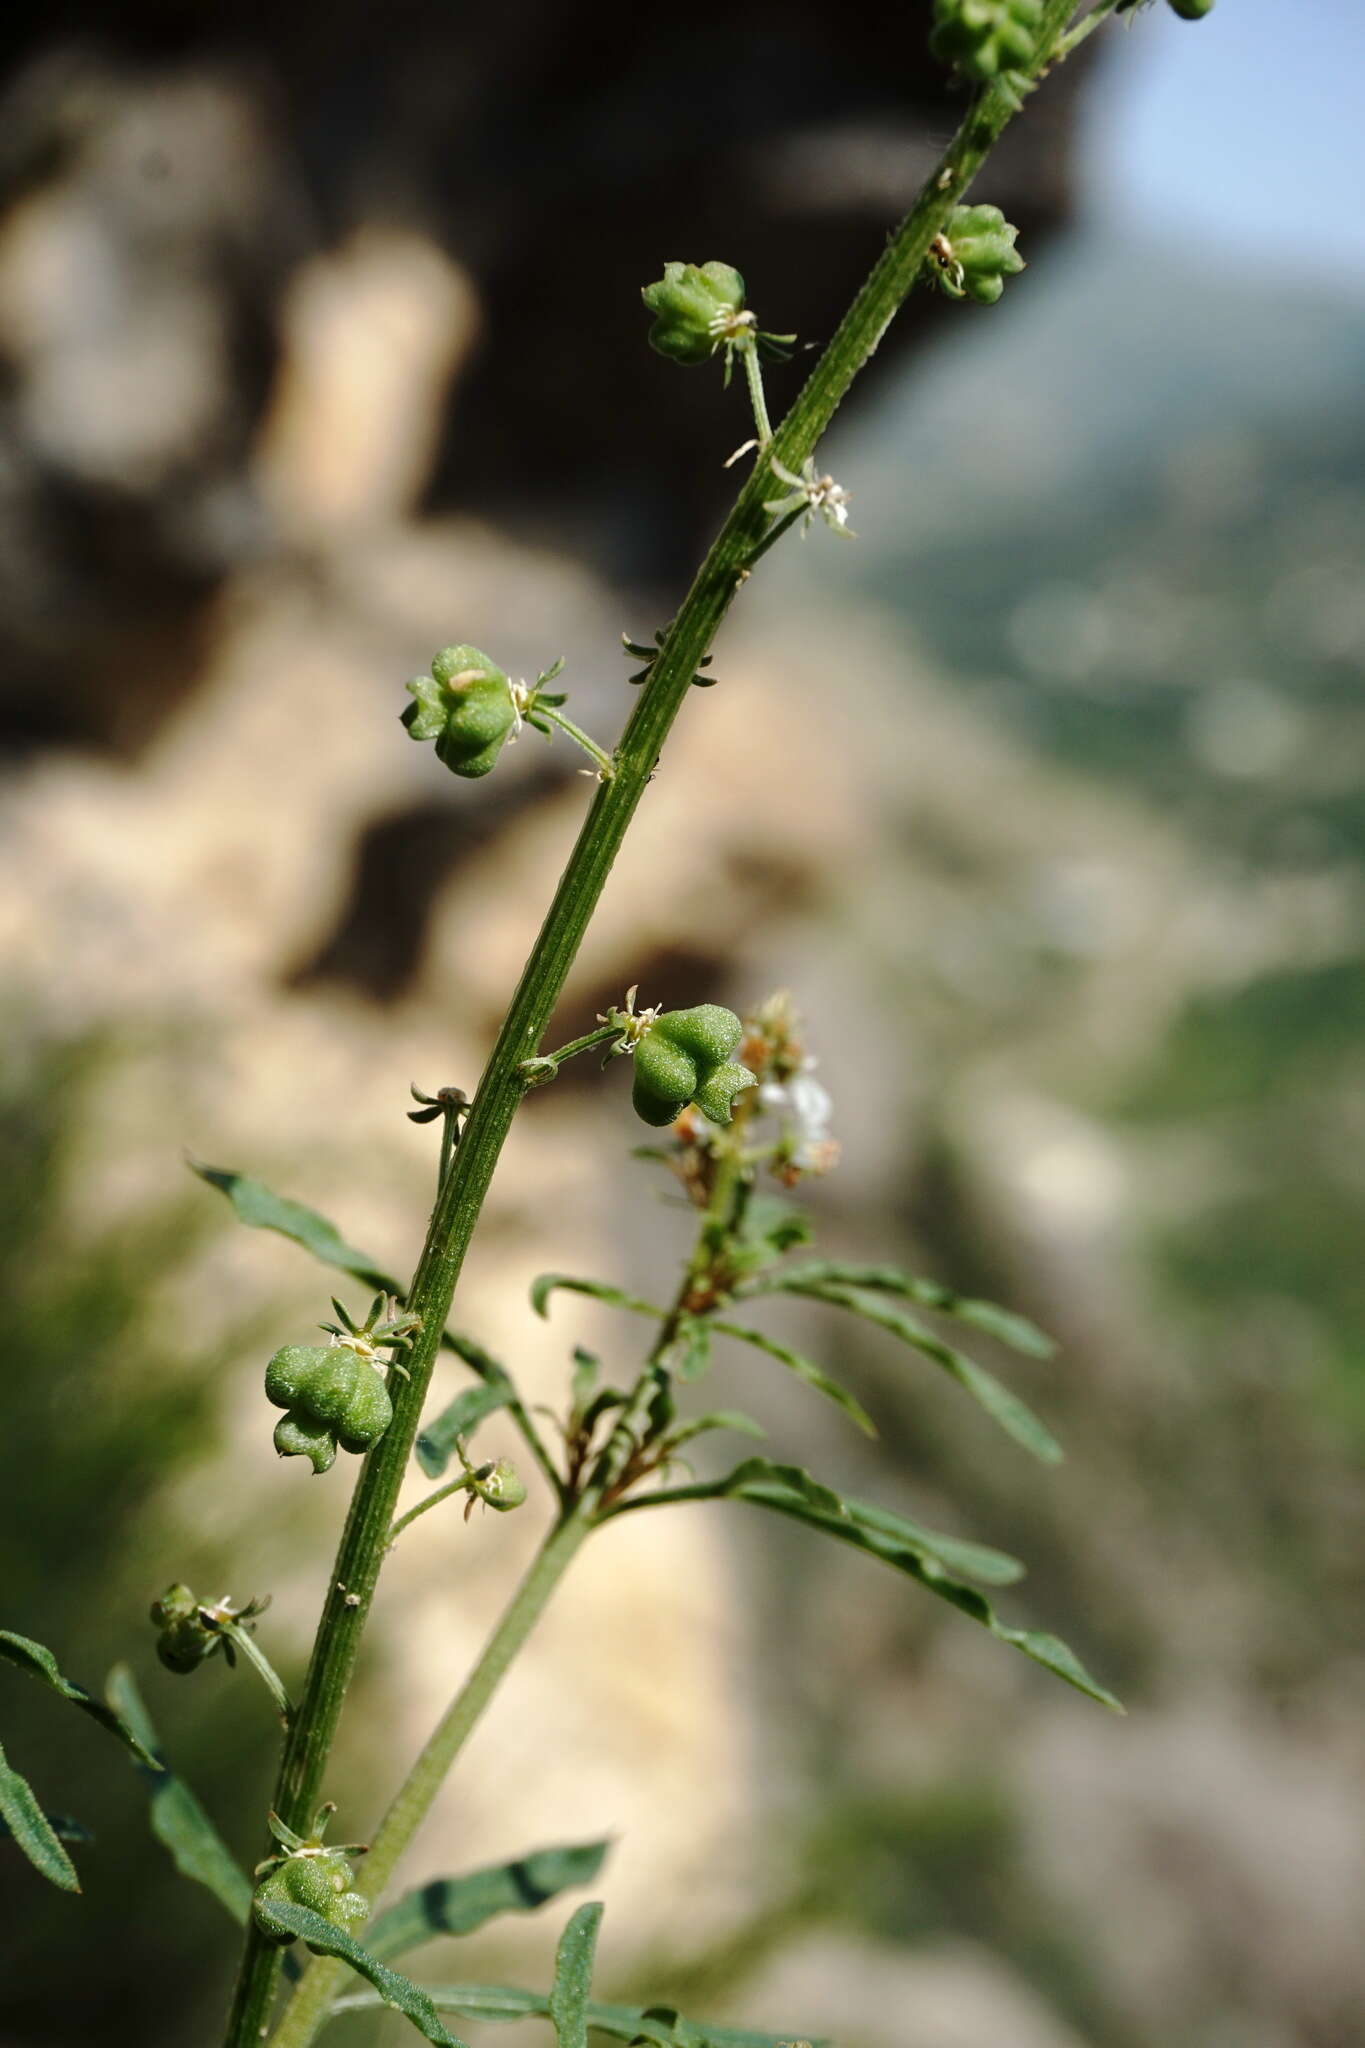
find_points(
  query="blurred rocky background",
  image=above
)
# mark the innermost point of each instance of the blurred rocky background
(322, 348)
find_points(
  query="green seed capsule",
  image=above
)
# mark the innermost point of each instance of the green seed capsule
(696, 308)
(319, 1880)
(294, 1438)
(982, 38)
(466, 706)
(975, 254)
(684, 1057)
(333, 1396)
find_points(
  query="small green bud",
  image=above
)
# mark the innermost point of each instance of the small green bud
(685, 1056)
(185, 1639)
(498, 1486)
(984, 38)
(192, 1629)
(975, 254)
(333, 1395)
(697, 307)
(466, 706)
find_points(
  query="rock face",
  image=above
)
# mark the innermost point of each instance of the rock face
(243, 261)
(323, 350)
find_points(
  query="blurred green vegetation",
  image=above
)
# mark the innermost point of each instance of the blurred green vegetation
(110, 1407)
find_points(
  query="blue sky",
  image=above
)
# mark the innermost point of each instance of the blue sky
(1247, 125)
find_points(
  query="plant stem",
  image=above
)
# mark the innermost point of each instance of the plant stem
(365, 1536)
(312, 2001)
(771, 538)
(460, 1485)
(606, 767)
(531, 1069)
(1064, 45)
(241, 1640)
(753, 371)
(310, 2004)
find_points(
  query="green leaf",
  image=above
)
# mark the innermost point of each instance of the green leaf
(40, 1663)
(1004, 1407)
(460, 1905)
(921, 1555)
(178, 1821)
(573, 1977)
(25, 1821)
(257, 1205)
(656, 2024)
(1001, 1323)
(285, 1917)
(978, 1561)
(804, 1369)
(546, 1284)
(436, 1444)
(62, 1826)
(755, 1473)
(262, 1209)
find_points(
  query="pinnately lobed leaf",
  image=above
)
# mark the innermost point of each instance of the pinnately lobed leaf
(40, 1663)
(804, 1368)
(1004, 1324)
(573, 1977)
(460, 1905)
(659, 2026)
(904, 1550)
(932, 1561)
(397, 1991)
(178, 1821)
(1003, 1406)
(262, 1209)
(32, 1830)
(546, 1284)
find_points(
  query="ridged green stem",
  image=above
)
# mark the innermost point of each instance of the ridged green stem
(501, 1087)
(309, 2006)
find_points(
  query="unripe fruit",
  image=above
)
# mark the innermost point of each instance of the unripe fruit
(982, 38)
(333, 1396)
(694, 307)
(466, 706)
(684, 1057)
(319, 1879)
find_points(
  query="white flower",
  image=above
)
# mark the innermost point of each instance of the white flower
(633, 1023)
(523, 697)
(811, 493)
(805, 1107)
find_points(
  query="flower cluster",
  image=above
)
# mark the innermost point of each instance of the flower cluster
(772, 1050)
(810, 493)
